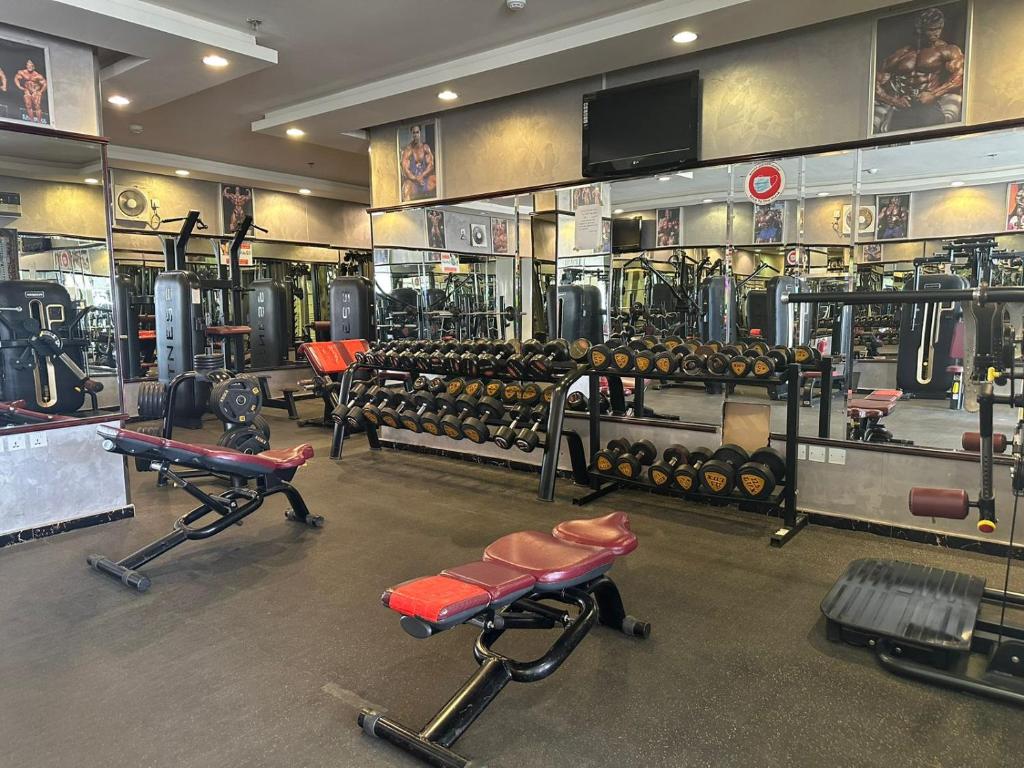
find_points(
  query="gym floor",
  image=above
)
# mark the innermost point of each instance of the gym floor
(258, 647)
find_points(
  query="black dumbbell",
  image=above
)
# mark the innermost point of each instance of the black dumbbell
(474, 428)
(505, 436)
(780, 356)
(762, 367)
(451, 423)
(695, 363)
(444, 404)
(740, 366)
(529, 437)
(760, 476)
(667, 361)
(685, 474)
(600, 356)
(806, 355)
(391, 413)
(431, 384)
(718, 474)
(640, 454)
(370, 411)
(356, 397)
(604, 460)
(660, 474)
(424, 401)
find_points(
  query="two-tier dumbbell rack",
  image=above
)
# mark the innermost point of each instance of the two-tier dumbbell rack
(782, 502)
(550, 450)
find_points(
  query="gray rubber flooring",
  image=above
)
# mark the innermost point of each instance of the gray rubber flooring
(258, 647)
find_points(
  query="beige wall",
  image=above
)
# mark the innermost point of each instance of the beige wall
(287, 216)
(803, 88)
(58, 208)
(962, 211)
(73, 80)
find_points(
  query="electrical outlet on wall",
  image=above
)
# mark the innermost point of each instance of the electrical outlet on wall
(801, 452)
(16, 442)
(816, 453)
(37, 440)
(837, 456)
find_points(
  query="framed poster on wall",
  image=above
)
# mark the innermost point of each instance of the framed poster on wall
(235, 203)
(25, 95)
(893, 217)
(769, 221)
(919, 68)
(1015, 206)
(419, 158)
(668, 227)
(865, 219)
(435, 228)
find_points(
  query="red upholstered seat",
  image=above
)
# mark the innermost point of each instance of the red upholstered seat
(147, 335)
(329, 357)
(610, 532)
(228, 330)
(501, 581)
(883, 408)
(547, 559)
(866, 413)
(436, 599)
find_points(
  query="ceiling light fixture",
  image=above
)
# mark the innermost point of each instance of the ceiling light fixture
(119, 101)
(708, 200)
(823, 194)
(181, 172)
(215, 61)
(956, 183)
(684, 37)
(447, 95)
(296, 133)
(617, 211)
(91, 180)
(872, 171)
(664, 178)
(305, 191)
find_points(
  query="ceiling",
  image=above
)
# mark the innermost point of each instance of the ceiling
(335, 68)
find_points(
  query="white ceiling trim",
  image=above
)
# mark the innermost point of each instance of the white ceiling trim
(149, 161)
(588, 33)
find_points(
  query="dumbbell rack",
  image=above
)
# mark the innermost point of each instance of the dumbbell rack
(782, 500)
(563, 376)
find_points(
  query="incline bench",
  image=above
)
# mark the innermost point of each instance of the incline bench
(510, 588)
(272, 471)
(865, 412)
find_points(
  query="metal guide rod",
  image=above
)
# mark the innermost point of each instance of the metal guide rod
(980, 295)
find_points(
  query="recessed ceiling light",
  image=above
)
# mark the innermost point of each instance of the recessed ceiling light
(295, 133)
(708, 200)
(215, 61)
(956, 183)
(91, 180)
(872, 171)
(181, 172)
(617, 211)
(664, 178)
(447, 95)
(305, 191)
(119, 101)
(823, 194)
(684, 37)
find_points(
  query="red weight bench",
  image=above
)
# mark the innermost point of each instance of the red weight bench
(234, 352)
(329, 360)
(512, 587)
(272, 472)
(865, 413)
(810, 382)
(16, 414)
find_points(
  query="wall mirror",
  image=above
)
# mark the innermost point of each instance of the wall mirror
(58, 339)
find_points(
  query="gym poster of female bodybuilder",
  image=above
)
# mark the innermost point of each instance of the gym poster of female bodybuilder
(24, 83)
(419, 156)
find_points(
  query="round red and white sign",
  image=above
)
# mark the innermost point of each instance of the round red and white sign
(793, 258)
(765, 183)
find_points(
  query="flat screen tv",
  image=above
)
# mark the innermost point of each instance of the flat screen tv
(642, 128)
(625, 235)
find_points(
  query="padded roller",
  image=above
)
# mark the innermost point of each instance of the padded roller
(971, 441)
(949, 503)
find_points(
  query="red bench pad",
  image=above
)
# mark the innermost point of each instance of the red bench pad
(500, 581)
(436, 599)
(547, 559)
(610, 532)
(329, 357)
(228, 330)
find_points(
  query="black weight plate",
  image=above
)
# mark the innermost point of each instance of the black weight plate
(733, 454)
(261, 423)
(247, 439)
(755, 480)
(151, 400)
(142, 465)
(237, 400)
(772, 459)
(716, 477)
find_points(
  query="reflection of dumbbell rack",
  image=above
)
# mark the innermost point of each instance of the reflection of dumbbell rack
(560, 372)
(782, 501)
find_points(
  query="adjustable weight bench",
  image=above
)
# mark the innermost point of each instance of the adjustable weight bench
(272, 472)
(329, 360)
(16, 414)
(510, 588)
(864, 415)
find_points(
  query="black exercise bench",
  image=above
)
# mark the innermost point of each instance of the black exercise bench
(272, 472)
(510, 588)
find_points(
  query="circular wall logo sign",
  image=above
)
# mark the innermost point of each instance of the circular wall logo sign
(793, 258)
(765, 183)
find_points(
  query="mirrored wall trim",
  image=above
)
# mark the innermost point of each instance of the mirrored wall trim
(869, 143)
(204, 236)
(643, 421)
(52, 133)
(947, 454)
(74, 421)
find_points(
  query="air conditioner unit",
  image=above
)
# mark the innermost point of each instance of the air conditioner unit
(10, 207)
(131, 207)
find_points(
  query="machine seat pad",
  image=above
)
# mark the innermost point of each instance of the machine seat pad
(437, 599)
(863, 409)
(145, 335)
(228, 330)
(610, 532)
(222, 460)
(549, 560)
(330, 357)
(502, 582)
(889, 395)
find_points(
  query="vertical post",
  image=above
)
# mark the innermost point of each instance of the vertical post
(638, 396)
(792, 441)
(825, 406)
(594, 400)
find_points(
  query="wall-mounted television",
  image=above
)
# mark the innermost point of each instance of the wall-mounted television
(625, 235)
(642, 128)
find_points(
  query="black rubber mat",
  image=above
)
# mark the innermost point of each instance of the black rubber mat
(912, 603)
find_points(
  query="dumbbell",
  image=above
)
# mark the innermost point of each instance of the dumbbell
(758, 348)
(356, 397)
(667, 361)
(451, 423)
(356, 417)
(760, 476)
(695, 363)
(528, 438)
(781, 356)
(740, 366)
(762, 366)
(433, 385)
(640, 454)
(660, 474)
(444, 404)
(718, 474)
(474, 427)
(600, 356)
(424, 401)
(645, 360)
(624, 356)
(604, 460)
(685, 474)
(391, 413)
(505, 436)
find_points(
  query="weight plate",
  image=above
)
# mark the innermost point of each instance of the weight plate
(151, 400)
(755, 480)
(247, 439)
(716, 477)
(237, 400)
(261, 423)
